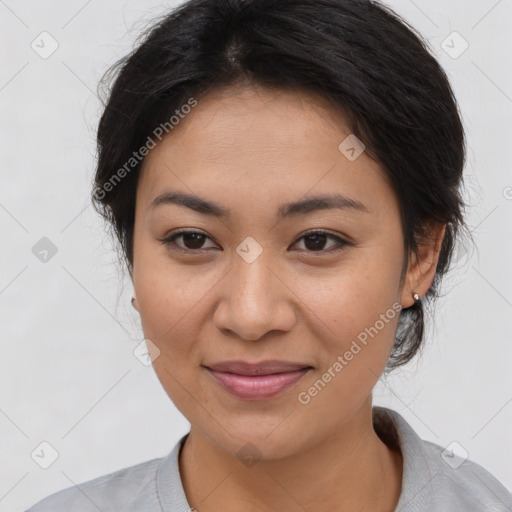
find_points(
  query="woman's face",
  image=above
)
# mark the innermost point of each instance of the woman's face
(259, 282)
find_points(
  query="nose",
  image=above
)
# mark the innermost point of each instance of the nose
(255, 300)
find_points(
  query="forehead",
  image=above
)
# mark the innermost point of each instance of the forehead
(262, 143)
(258, 120)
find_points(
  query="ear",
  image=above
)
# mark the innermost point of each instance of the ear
(134, 302)
(422, 268)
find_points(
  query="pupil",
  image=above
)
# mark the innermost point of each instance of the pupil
(319, 238)
(186, 239)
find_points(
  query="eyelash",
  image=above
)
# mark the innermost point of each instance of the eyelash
(170, 241)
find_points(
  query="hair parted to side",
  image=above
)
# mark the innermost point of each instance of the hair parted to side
(360, 55)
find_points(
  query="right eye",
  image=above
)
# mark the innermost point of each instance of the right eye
(192, 240)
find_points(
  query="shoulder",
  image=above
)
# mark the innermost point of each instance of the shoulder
(434, 477)
(128, 489)
(462, 482)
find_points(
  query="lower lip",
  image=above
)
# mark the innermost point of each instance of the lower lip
(257, 387)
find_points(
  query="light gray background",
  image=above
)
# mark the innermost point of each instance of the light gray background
(68, 374)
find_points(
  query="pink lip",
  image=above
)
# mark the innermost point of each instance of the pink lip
(257, 381)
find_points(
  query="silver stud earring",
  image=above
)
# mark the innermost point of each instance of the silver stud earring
(416, 297)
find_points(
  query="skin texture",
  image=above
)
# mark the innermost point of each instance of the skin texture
(251, 150)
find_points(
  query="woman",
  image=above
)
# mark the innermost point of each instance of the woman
(284, 180)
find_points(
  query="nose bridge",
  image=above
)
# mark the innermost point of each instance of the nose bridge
(255, 300)
(254, 286)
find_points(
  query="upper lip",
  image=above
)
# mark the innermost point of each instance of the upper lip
(263, 368)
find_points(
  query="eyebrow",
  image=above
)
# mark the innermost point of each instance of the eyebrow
(304, 206)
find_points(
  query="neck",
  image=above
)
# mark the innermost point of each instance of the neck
(352, 470)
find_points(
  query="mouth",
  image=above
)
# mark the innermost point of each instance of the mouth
(257, 381)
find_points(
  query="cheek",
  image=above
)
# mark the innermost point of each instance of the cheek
(169, 293)
(171, 306)
(166, 297)
(352, 325)
(171, 312)
(354, 296)
(356, 311)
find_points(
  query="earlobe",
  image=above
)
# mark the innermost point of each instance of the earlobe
(134, 303)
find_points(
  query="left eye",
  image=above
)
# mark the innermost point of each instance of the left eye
(314, 241)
